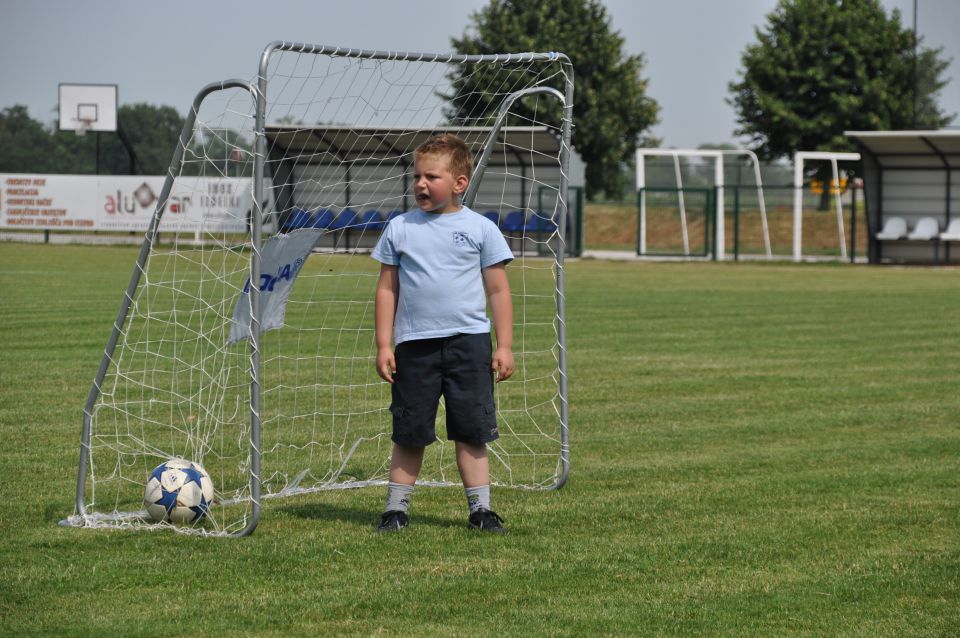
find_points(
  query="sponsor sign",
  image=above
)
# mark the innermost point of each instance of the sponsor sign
(124, 203)
(816, 186)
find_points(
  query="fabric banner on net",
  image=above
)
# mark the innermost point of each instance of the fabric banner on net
(281, 260)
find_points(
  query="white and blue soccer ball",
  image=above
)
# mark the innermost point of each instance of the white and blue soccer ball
(178, 491)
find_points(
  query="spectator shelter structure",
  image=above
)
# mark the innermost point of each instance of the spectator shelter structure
(328, 172)
(912, 191)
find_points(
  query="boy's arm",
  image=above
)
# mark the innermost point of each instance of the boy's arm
(501, 305)
(385, 309)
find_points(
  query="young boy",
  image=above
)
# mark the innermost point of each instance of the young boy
(436, 263)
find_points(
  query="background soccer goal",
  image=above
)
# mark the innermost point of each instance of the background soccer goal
(247, 345)
(710, 203)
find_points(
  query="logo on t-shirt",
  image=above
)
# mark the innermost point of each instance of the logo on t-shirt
(460, 238)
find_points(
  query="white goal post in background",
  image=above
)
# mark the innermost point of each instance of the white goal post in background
(718, 183)
(799, 160)
(253, 353)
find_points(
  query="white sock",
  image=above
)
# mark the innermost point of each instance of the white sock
(478, 498)
(398, 496)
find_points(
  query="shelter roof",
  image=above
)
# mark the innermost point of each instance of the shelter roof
(329, 144)
(911, 149)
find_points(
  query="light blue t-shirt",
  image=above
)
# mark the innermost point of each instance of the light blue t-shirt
(440, 257)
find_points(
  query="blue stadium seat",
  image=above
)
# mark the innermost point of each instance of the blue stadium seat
(392, 214)
(537, 224)
(513, 222)
(493, 216)
(298, 218)
(372, 220)
(346, 219)
(323, 219)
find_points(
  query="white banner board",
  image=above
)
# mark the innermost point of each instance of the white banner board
(125, 203)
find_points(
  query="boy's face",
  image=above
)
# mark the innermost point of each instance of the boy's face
(437, 189)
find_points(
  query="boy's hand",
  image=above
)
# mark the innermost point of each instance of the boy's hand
(386, 364)
(503, 364)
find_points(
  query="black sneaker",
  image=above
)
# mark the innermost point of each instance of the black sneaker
(393, 521)
(487, 521)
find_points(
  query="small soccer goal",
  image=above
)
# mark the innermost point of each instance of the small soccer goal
(800, 159)
(689, 201)
(247, 345)
(711, 196)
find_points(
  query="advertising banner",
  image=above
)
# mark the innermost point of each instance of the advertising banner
(124, 203)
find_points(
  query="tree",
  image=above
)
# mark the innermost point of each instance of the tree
(611, 108)
(27, 146)
(153, 131)
(220, 152)
(825, 66)
(30, 146)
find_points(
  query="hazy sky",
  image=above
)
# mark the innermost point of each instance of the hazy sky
(163, 51)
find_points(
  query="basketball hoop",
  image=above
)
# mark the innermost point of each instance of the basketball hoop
(83, 125)
(88, 107)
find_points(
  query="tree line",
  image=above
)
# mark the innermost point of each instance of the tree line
(151, 132)
(817, 68)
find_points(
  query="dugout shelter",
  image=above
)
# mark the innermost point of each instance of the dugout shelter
(328, 170)
(912, 192)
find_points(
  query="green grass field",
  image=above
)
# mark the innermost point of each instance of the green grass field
(757, 450)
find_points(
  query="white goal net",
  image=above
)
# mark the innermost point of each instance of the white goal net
(246, 343)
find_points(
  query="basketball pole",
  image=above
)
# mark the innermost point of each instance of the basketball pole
(135, 167)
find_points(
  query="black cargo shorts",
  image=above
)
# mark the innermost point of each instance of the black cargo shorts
(457, 368)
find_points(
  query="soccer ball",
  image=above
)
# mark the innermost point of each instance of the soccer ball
(178, 491)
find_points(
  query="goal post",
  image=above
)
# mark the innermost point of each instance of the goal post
(792, 230)
(247, 345)
(717, 158)
(800, 158)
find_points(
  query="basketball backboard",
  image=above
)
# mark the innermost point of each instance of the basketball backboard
(88, 107)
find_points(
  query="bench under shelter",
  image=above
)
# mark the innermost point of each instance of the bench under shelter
(912, 191)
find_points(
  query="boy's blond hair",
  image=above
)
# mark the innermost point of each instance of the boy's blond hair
(449, 145)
